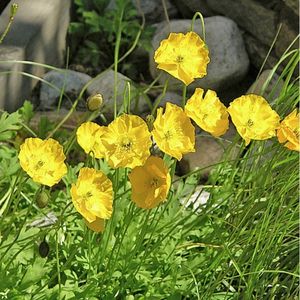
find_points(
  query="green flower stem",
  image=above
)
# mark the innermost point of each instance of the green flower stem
(58, 265)
(116, 60)
(184, 95)
(198, 14)
(13, 12)
(157, 102)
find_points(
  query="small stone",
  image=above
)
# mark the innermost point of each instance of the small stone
(229, 61)
(272, 89)
(48, 220)
(67, 81)
(104, 84)
(209, 152)
(197, 200)
(72, 122)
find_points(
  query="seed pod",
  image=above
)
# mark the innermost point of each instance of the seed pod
(42, 199)
(94, 102)
(44, 249)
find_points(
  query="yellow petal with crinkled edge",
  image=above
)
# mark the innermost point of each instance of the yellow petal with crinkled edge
(127, 142)
(208, 112)
(184, 56)
(253, 118)
(288, 132)
(173, 131)
(92, 196)
(89, 137)
(150, 183)
(43, 160)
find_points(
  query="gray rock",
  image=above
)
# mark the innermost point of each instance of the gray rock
(38, 34)
(267, 85)
(153, 10)
(209, 152)
(285, 38)
(229, 61)
(67, 81)
(169, 97)
(197, 200)
(258, 51)
(104, 84)
(48, 220)
(250, 15)
(189, 7)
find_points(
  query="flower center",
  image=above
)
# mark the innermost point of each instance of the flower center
(250, 123)
(204, 116)
(39, 164)
(126, 144)
(154, 182)
(167, 134)
(89, 194)
(179, 59)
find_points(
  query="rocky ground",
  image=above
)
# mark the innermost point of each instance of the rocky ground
(239, 34)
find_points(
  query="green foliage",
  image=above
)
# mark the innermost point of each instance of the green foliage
(9, 124)
(242, 244)
(96, 29)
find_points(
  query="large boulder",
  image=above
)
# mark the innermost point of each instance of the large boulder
(188, 8)
(229, 61)
(268, 85)
(104, 84)
(58, 82)
(251, 15)
(210, 152)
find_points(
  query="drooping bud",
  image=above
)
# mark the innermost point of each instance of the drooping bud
(94, 102)
(42, 199)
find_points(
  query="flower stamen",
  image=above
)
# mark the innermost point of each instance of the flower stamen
(154, 182)
(250, 123)
(179, 59)
(39, 164)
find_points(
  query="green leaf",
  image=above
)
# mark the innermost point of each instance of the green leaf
(26, 111)
(34, 273)
(9, 123)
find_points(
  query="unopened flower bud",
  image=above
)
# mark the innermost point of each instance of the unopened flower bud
(13, 9)
(94, 102)
(42, 199)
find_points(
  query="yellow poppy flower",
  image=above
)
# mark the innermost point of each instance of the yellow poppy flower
(92, 196)
(127, 142)
(288, 131)
(173, 131)
(89, 138)
(253, 118)
(184, 56)
(150, 183)
(43, 160)
(208, 112)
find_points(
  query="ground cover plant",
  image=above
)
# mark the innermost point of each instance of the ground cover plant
(99, 213)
